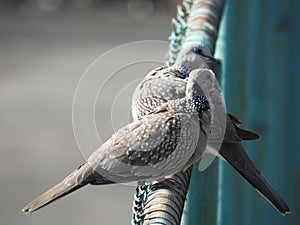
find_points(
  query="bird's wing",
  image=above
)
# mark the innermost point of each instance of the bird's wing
(155, 90)
(154, 146)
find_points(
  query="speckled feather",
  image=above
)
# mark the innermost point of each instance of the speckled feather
(166, 84)
(156, 118)
(150, 148)
(165, 140)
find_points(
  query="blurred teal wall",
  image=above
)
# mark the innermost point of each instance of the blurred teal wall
(259, 45)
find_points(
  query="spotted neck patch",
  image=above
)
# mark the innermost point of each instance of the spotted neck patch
(201, 104)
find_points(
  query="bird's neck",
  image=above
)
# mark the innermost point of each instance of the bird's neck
(193, 105)
(181, 70)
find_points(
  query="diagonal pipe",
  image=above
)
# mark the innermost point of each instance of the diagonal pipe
(163, 202)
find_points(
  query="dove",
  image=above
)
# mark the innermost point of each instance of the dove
(156, 145)
(139, 151)
(169, 82)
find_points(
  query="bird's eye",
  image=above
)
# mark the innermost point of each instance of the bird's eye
(198, 50)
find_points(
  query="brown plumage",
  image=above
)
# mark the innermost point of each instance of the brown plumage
(168, 83)
(150, 148)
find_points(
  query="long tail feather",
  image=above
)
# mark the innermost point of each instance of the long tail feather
(235, 154)
(79, 178)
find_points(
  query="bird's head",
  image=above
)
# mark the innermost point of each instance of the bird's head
(200, 81)
(199, 87)
(191, 57)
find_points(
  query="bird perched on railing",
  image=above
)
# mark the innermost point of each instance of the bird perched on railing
(176, 110)
(161, 143)
(167, 83)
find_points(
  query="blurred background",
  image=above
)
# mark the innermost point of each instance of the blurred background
(258, 42)
(45, 47)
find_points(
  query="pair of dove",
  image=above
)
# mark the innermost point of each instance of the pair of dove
(175, 110)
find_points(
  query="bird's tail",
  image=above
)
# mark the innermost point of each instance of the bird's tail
(79, 178)
(235, 154)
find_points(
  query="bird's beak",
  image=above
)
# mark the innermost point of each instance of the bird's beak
(217, 61)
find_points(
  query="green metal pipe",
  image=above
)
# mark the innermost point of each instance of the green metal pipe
(202, 205)
(261, 86)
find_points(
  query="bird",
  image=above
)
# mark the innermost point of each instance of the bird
(156, 145)
(169, 82)
(166, 91)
